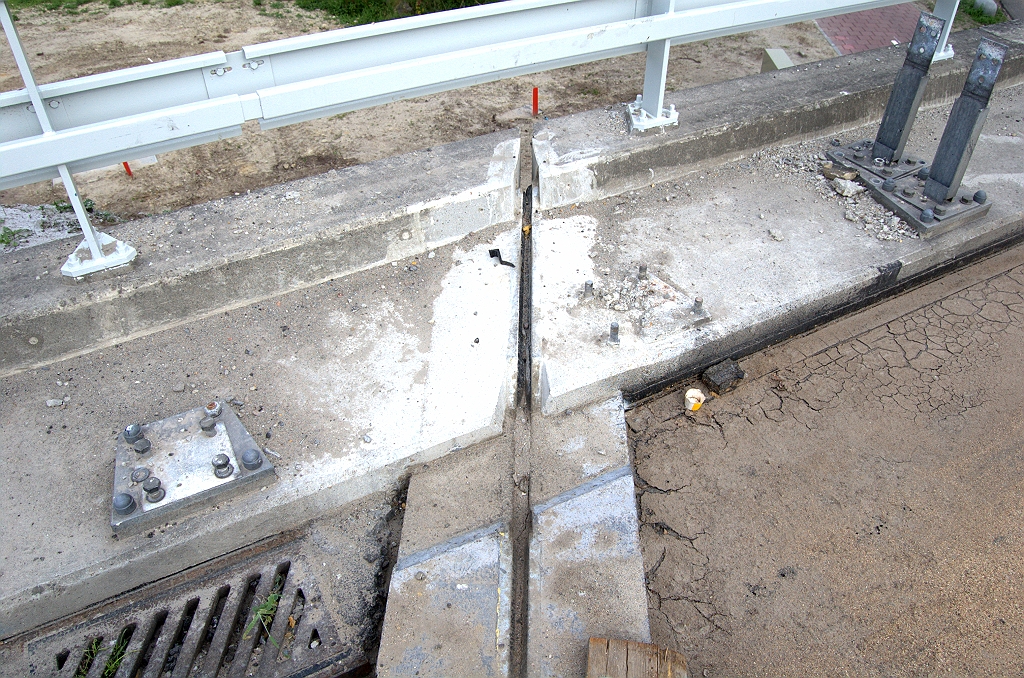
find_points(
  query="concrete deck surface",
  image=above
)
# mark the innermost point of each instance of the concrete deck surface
(766, 241)
(348, 381)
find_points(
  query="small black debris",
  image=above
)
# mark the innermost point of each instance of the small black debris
(724, 376)
(788, 571)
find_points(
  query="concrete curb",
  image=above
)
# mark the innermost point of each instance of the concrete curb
(586, 157)
(215, 257)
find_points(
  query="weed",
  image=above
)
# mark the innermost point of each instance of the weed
(263, 614)
(88, 657)
(257, 3)
(117, 653)
(62, 206)
(11, 236)
(173, 3)
(976, 13)
(115, 3)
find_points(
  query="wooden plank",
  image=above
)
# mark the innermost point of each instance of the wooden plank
(617, 654)
(642, 660)
(597, 658)
(671, 664)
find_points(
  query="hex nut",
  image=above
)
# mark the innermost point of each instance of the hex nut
(889, 185)
(222, 467)
(142, 446)
(213, 409)
(151, 484)
(252, 459)
(139, 474)
(132, 432)
(124, 504)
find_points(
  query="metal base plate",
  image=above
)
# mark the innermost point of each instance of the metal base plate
(639, 119)
(908, 201)
(181, 456)
(857, 156)
(115, 254)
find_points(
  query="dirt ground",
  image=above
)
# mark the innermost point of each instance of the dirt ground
(63, 46)
(854, 507)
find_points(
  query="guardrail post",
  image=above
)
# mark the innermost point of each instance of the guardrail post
(945, 10)
(648, 111)
(98, 251)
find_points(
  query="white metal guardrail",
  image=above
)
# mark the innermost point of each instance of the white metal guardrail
(60, 128)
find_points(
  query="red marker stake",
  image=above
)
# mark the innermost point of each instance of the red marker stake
(128, 170)
(536, 102)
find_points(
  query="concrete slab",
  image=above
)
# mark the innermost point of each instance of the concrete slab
(586, 572)
(350, 382)
(449, 608)
(449, 604)
(766, 242)
(228, 253)
(590, 156)
(586, 575)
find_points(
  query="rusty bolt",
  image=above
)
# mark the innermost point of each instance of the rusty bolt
(213, 409)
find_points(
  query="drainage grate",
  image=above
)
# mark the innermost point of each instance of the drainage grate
(258, 613)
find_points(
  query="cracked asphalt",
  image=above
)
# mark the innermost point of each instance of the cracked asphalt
(856, 505)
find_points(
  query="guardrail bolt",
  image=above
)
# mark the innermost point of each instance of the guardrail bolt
(698, 305)
(613, 333)
(209, 426)
(140, 474)
(940, 210)
(141, 446)
(980, 197)
(222, 467)
(154, 493)
(927, 216)
(923, 174)
(643, 271)
(124, 504)
(132, 432)
(213, 409)
(588, 289)
(889, 185)
(908, 191)
(252, 459)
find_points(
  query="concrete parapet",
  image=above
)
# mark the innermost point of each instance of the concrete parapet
(231, 252)
(585, 157)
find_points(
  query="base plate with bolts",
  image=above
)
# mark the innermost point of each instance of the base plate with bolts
(905, 198)
(857, 156)
(176, 470)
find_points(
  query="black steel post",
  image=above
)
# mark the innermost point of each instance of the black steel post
(908, 90)
(965, 122)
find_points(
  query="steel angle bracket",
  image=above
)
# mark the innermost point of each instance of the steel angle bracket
(965, 122)
(908, 90)
(166, 467)
(905, 197)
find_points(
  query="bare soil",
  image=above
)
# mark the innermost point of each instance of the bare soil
(854, 507)
(100, 39)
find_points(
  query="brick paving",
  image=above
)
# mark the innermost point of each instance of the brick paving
(870, 29)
